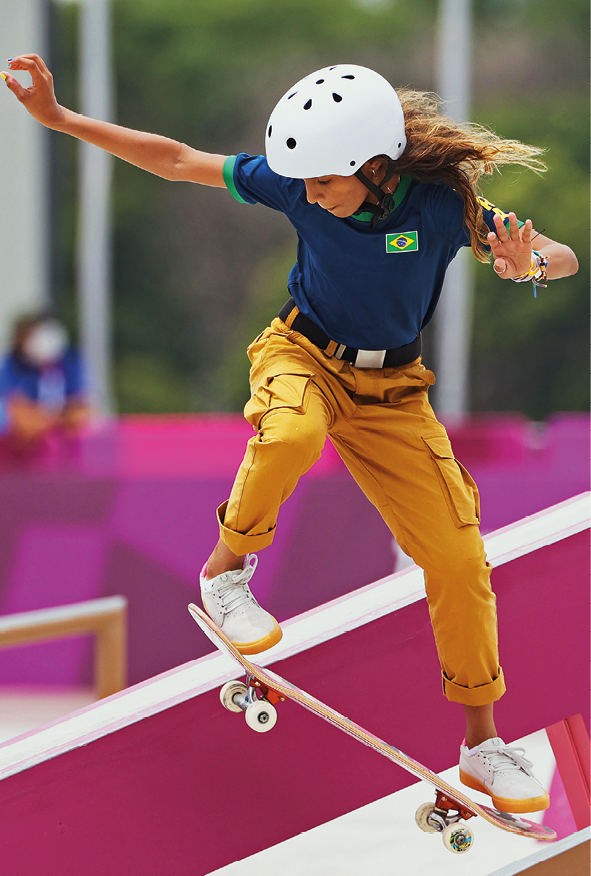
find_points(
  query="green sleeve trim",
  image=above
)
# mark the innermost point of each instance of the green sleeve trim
(229, 164)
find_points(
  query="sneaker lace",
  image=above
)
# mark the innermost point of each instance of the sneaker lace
(507, 758)
(235, 592)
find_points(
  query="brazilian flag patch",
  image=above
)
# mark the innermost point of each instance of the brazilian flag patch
(406, 241)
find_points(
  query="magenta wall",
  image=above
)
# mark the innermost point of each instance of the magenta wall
(168, 795)
(130, 510)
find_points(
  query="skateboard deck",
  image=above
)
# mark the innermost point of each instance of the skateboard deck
(264, 688)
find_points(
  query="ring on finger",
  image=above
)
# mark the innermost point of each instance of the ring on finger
(495, 269)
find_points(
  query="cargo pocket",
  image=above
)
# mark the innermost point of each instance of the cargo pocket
(458, 486)
(275, 391)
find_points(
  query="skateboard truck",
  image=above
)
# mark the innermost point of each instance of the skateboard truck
(267, 692)
(255, 699)
(445, 817)
(447, 811)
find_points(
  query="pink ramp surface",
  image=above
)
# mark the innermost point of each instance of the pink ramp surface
(161, 779)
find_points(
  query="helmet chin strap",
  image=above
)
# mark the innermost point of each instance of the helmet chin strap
(383, 208)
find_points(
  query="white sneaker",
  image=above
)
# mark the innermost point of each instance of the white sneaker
(230, 604)
(503, 773)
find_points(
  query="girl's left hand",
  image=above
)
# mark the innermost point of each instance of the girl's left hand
(511, 247)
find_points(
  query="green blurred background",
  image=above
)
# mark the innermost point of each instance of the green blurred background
(197, 275)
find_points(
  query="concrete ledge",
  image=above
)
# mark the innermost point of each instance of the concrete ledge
(567, 857)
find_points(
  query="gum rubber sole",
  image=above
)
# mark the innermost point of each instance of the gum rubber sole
(519, 807)
(263, 644)
(248, 648)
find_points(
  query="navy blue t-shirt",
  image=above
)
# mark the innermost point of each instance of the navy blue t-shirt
(369, 289)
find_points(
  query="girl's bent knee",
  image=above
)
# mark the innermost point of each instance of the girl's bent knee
(303, 432)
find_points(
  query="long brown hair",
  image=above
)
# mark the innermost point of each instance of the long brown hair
(457, 153)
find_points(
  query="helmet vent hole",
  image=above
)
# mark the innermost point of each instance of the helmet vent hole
(336, 97)
(292, 95)
(399, 145)
(332, 68)
(308, 104)
(291, 143)
(352, 163)
(270, 131)
(348, 76)
(319, 81)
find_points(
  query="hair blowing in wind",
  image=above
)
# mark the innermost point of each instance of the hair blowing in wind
(457, 153)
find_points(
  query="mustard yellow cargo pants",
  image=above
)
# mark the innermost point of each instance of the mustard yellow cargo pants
(383, 427)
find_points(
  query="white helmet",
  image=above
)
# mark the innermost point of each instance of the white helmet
(332, 122)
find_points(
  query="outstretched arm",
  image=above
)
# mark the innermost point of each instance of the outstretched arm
(511, 249)
(159, 155)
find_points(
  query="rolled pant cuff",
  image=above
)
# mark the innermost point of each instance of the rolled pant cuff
(238, 542)
(475, 696)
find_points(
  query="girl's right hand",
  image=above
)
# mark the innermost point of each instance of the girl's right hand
(39, 98)
(160, 155)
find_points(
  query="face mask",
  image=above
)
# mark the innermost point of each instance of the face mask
(46, 343)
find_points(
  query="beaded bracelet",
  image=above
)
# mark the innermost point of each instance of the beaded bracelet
(538, 272)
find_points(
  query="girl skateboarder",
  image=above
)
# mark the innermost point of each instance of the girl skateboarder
(382, 191)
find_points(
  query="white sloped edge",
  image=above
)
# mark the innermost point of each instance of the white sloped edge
(305, 631)
(114, 712)
(546, 854)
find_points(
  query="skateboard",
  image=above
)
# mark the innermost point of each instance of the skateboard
(258, 695)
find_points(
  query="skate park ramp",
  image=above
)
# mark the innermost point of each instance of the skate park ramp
(380, 838)
(160, 779)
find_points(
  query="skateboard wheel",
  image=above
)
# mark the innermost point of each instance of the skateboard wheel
(229, 691)
(458, 838)
(422, 818)
(261, 716)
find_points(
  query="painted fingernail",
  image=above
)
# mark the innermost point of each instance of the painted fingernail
(9, 60)
(3, 76)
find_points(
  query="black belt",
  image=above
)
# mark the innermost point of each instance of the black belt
(367, 358)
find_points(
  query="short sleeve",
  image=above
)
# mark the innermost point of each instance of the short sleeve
(73, 374)
(447, 210)
(250, 180)
(489, 210)
(11, 381)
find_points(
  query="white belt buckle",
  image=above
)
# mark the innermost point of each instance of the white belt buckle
(370, 358)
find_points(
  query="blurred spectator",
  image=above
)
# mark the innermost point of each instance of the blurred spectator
(41, 385)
